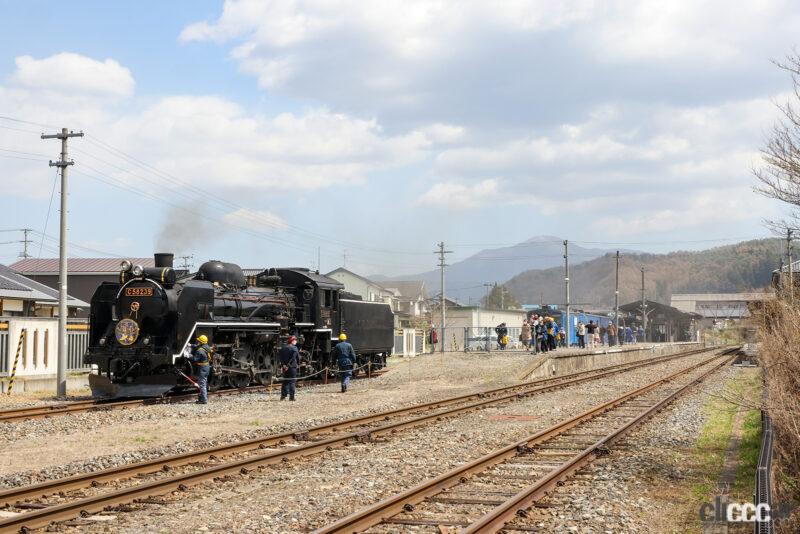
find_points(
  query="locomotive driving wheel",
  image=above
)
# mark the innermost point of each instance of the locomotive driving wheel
(266, 365)
(238, 380)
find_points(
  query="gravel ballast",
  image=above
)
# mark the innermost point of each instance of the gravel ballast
(304, 494)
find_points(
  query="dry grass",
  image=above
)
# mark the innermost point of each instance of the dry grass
(780, 357)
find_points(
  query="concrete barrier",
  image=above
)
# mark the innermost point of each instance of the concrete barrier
(32, 384)
(554, 364)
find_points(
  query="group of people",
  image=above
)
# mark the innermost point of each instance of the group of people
(542, 333)
(593, 335)
(288, 358)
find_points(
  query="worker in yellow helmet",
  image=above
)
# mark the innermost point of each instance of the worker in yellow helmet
(201, 358)
(346, 359)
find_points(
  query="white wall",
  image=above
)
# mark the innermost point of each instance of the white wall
(33, 362)
(476, 317)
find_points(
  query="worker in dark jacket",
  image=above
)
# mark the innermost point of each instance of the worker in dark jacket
(345, 358)
(289, 357)
(201, 358)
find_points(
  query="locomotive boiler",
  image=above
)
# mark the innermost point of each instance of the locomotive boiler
(141, 327)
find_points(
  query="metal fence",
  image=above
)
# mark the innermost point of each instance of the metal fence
(763, 489)
(77, 342)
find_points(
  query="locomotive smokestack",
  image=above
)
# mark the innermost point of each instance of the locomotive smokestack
(163, 259)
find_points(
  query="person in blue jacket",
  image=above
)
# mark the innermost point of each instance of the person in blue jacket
(201, 358)
(345, 358)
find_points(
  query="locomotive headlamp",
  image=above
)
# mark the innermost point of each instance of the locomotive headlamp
(125, 265)
(102, 341)
(146, 340)
(137, 270)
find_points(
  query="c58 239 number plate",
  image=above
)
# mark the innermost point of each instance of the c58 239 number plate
(138, 291)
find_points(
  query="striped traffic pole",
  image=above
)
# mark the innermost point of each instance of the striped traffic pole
(16, 360)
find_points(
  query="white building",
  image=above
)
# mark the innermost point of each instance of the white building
(363, 287)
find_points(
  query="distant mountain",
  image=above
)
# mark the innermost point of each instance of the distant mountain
(733, 268)
(465, 278)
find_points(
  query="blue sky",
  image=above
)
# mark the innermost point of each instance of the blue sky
(258, 132)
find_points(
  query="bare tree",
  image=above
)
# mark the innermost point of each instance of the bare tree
(779, 177)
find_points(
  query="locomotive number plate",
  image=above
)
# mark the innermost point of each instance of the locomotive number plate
(139, 291)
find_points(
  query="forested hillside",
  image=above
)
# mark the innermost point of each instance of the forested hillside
(741, 267)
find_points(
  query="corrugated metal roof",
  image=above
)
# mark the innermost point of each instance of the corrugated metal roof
(75, 265)
(27, 289)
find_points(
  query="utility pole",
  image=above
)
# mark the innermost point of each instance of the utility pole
(319, 262)
(488, 288)
(644, 310)
(568, 326)
(441, 252)
(63, 164)
(344, 259)
(186, 264)
(616, 298)
(502, 296)
(25, 241)
(789, 255)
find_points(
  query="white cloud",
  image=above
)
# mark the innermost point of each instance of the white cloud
(73, 73)
(259, 220)
(504, 63)
(458, 196)
(209, 141)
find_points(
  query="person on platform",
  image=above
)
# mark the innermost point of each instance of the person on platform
(581, 335)
(629, 335)
(346, 360)
(289, 358)
(201, 358)
(534, 322)
(612, 334)
(525, 336)
(591, 332)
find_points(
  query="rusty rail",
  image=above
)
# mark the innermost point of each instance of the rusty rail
(98, 503)
(91, 405)
(383, 511)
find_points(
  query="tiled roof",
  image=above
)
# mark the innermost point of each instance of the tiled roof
(75, 265)
(15, 286)
(5, 283)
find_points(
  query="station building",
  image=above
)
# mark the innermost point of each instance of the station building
(664, 323)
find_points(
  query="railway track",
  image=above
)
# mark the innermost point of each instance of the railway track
(492, 493)
(307, 442)
(94, 405)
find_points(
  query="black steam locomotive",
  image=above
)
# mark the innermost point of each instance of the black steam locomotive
(142, 326)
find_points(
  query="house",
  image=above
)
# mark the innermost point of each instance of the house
(22, 297)
(84, 275)
(29, 328)
(363, 287)
(410, 301)
(408, 298)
